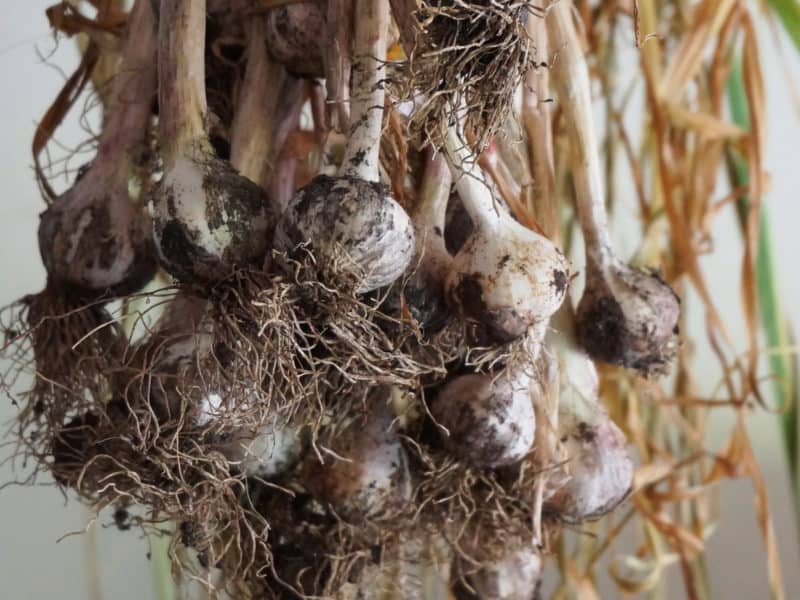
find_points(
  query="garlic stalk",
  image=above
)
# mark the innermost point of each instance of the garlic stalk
(626, 316)
(295, 35)
(506, 276)
(268, 108)
(350, 221)
(209, 220)
(95, 237)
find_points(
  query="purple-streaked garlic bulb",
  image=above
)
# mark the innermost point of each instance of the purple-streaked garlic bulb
(350, 220)
(488, 419)
(95, 237)
(506, 276)
(369, 473)
(296, 35)
(598, 467)
(209, 220)
(627, 316)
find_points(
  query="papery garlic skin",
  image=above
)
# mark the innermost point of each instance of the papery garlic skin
(489, 419)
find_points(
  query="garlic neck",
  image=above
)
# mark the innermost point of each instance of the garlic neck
(362, 153)
(132, 94)
(430, 213)
(570, 76)
(181, 78)
(252, 131)
(471, 184)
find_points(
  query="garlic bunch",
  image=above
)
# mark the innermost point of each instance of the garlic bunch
(506, 276)
(209, 220)
(350, 222)
(626, 316)
(95, 238)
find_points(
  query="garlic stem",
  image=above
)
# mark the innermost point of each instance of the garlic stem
(431, 210)
(181, 78)
(131, 97)
(538, 127)
(254, 121)
(571, 79)
(471, 183)
(367, 98)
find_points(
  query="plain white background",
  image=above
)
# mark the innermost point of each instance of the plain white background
(35, 565)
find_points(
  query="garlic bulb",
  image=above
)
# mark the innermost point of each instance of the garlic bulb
(350, 222)
(158, 363)
(626, 316)
(371, 475)
(516, 576)
(209, 220)
(489, 419)
(506, 276)
(271, 450)
(95, 237)
(597, 463)
(295, 35)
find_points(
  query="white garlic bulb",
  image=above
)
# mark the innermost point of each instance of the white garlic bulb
(489, 419)
(208, 219)
(515, 576)
(597, 466)
(506, 276)
(626, 316)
